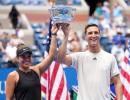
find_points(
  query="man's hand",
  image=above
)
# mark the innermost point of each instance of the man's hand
(66, 29)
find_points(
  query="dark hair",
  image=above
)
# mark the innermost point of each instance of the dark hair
(90, 25)
(22, 49)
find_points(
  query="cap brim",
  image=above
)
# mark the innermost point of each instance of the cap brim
(24, 51)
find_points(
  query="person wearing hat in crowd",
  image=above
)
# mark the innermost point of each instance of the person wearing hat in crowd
(24, 83)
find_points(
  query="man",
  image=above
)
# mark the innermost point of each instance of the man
(95, 67)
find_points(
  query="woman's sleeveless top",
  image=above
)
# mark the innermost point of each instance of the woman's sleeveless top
(28, 86)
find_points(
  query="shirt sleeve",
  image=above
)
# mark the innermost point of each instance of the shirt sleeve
(114, 67)
(74, 57)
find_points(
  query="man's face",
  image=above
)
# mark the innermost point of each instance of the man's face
(93, 36)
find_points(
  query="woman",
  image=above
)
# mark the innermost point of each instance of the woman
(14, 17)
(24, 83)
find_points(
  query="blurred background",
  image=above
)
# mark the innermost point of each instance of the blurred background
(27, 21)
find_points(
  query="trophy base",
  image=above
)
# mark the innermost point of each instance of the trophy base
(58, 21)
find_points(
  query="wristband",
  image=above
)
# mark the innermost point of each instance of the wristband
(54, 34)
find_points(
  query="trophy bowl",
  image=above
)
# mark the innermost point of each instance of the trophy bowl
(62, 14)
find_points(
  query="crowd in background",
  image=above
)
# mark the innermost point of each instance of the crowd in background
(39, 2)
(114, 28)
(111, 21)
(127, 1)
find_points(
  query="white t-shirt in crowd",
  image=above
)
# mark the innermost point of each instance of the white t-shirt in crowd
(95, 71)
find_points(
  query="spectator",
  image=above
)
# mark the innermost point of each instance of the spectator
(98, 11)
(2, 52)
(5, 39)
(14, 17)
(106, 11)
(74, 42)
(117, 14)
(11, 54)
(93, 19)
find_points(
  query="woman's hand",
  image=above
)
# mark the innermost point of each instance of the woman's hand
(55, 29)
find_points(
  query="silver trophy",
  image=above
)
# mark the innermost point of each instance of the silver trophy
(62, 14)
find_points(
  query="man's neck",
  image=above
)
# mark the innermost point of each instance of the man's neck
(94, 49)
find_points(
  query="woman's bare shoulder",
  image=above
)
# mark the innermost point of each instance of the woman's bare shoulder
(13, 76)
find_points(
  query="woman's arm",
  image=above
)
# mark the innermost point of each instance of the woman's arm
(46, 62)
(10, 85)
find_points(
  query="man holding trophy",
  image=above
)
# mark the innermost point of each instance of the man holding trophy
(96, 68)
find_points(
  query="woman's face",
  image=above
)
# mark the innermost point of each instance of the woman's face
(25, 60)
